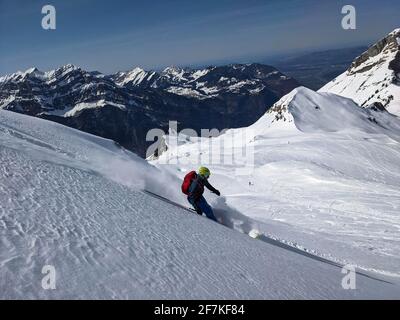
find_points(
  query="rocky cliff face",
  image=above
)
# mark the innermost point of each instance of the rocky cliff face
(126, 105)
(377, 53)
(374, 77)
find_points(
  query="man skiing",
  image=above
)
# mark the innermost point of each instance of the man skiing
(193, 186)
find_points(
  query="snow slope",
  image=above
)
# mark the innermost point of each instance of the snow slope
(73, 201)
(326, 177)
(374, 77)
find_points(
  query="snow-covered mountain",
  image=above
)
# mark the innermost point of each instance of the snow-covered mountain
(74, 201)
(210, 82)
(56, 92)
(124, 106)
(325, 176)
(374, 77)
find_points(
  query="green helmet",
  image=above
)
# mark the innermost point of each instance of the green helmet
(204, 172)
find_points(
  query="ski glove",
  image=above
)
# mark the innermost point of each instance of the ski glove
(217, 193)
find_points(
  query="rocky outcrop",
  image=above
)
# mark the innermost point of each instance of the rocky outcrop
(374, 77)
(383, 47)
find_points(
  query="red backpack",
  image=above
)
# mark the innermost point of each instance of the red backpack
(187, 181)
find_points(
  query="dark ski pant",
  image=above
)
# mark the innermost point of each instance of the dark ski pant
(201, 206)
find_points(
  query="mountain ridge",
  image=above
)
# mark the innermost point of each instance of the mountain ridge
(216, 97)
(374, 76)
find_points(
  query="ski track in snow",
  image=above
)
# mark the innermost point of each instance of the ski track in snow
(107, 239)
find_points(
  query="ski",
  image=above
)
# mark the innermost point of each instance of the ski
(155, 195)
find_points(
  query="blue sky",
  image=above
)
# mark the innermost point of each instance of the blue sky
(118, 35)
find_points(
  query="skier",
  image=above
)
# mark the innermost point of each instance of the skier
(193, 186)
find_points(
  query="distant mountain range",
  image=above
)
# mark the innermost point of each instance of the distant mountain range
(315, 69)
(126, 105)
